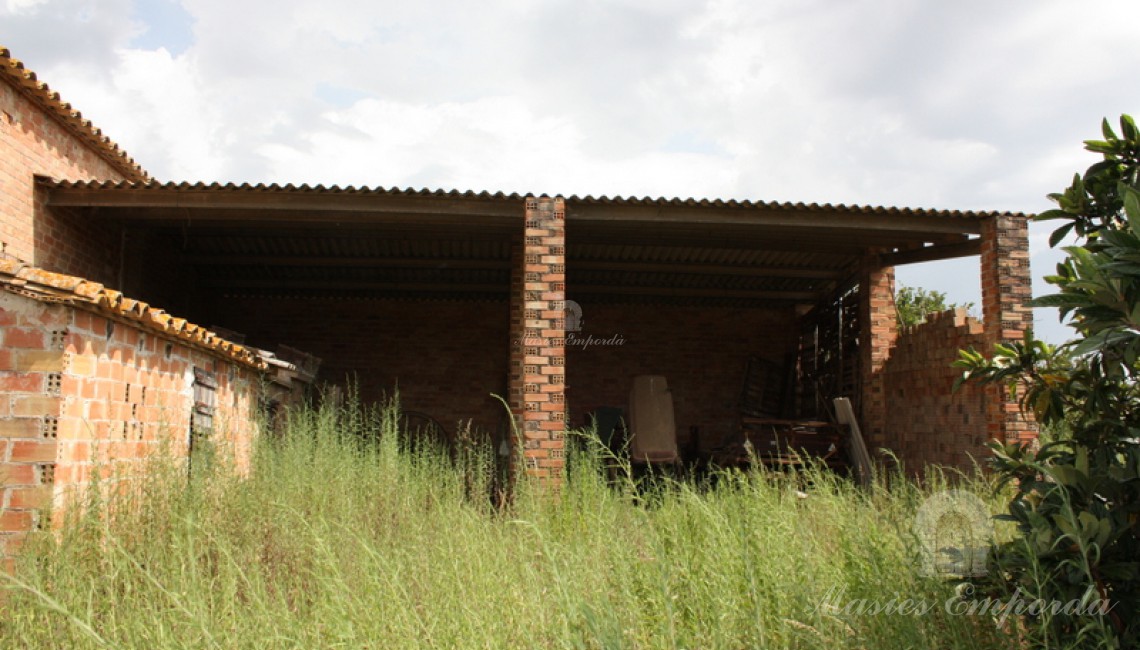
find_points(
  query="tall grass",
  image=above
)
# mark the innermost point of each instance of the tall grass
(339, 537)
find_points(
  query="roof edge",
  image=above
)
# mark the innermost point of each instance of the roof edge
(45, 286)
(26, 82)
(151, 185)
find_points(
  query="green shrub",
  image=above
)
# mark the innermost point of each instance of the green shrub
(1078, 497)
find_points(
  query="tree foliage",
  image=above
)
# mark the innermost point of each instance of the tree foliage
(914, 304)
(1077, 498)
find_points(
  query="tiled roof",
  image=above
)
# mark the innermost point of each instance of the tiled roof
(25, 80)
(46, 286)
(275, 188)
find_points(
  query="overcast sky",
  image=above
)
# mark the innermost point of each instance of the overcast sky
(967, 104)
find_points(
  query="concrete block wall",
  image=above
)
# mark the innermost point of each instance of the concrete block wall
(35, 142)
(84, 396)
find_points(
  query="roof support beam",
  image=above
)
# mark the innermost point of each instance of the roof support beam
(346, 262)
(420, 287)
(352, 285)
(839, 242)
(931, 253)
(249, 203)
(819, 218)
(572, 265)
(269, 200)
(683, 268)
(666, 292)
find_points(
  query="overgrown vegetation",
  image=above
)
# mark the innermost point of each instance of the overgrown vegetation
(340, 538)
(1078, 498)
(914, 304)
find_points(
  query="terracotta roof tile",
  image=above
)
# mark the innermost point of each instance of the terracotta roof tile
(39, 92)
(46, 286)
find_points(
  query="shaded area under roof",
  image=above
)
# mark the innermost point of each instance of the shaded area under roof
(376, 242)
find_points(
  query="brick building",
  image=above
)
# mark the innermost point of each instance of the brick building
(457, 296)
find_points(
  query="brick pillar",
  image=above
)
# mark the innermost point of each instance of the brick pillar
(878, 329)
(31, 365)
(538, 356)
(1006, 286)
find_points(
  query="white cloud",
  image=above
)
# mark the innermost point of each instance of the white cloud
(21, 6)
(494, 143)
(974, 104)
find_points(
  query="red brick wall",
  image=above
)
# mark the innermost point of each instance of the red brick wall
(926, 421)
(878, 320)
(32, 142)
(917, 415)
(701, 352)
(81, 397)
(1006, 287)
(447, 357)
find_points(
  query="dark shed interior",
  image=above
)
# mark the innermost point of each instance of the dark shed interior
(409, 290)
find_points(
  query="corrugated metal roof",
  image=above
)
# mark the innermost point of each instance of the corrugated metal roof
(39, 92)
(785, 206)
(46, 286)
(271, 239)
(273, 188)
(571, 201)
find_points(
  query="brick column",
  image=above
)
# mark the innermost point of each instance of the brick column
(31, 365)
(538, 356)
(1006, 286)
(878, 329)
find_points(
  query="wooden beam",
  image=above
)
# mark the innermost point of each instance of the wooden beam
(324, 217)
(931, 253)
(282, 200)
(738, 270)
(352, 285)
(230, 204)
(571, 265)
(191, 231)
(428, 287)
(799, 218)
(345, 262)
(717, 240)
(755, 237)
(577, 289)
